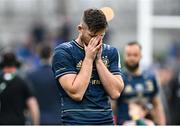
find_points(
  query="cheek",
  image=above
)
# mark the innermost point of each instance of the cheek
(86, 38)
(133, 58)
(138, 59)
(83, 38)
(129, 59)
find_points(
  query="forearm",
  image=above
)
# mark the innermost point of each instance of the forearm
(160, 117)
(35, 118)
(114, 106)
(82, 79)
(159, 111)
(34, 110)
(112, 84)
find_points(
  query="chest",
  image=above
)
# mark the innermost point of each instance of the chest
(11, 89)
(95, 87)
(138, 86)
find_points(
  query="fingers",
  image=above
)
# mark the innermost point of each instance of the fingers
(95, 41)
(101, 38)
(98, 46)
(93, 48)
(91, 41)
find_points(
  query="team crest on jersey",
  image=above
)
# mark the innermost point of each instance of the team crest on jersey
(78, 66)
(149, 85)
(139, 87)
(105, 61)
(128, 89)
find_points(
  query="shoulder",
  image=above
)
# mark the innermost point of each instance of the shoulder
(109, 49)
(20, 80)
(149, 75)
(32, 73)
(64, 46)
(63, 49)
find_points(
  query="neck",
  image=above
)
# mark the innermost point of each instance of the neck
(78, 40)
(136, 72)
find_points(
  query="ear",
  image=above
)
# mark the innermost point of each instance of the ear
(79, 27)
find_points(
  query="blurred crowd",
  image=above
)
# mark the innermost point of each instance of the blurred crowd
(27, 81)
(31, 85)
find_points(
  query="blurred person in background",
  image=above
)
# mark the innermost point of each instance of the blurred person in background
(140, 113)
(38, 33)
(46, 89)
(27, 55)
(15, 94)
(87, 72)
(174, 99)
(169, 77)
(63, 33)
(164, 76)
(137, 84)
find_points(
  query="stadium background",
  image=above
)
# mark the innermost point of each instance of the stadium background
(26, 24)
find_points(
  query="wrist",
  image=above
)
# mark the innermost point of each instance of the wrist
(88, 60)
(97, 58)
(98, 61)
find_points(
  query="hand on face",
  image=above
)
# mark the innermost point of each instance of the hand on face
(99, 53)
(93, 48)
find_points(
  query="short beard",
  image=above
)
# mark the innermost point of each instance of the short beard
(132, 68)
(83, 40)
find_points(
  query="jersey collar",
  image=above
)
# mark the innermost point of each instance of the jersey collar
(77, 44)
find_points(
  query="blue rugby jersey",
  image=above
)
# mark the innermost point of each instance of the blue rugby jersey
(143, 86)
(94, 107)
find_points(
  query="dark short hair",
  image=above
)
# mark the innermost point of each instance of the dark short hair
(95, 20)
(45, 52)
(134, 43)
(9, 59)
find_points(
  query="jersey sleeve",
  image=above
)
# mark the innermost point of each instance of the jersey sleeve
(62, 63)
(114, 63)
(156, 86)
